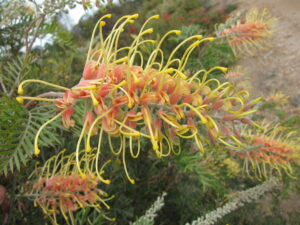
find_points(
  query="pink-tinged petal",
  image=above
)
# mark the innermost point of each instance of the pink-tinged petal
(89, 118)
(108, 122)
(137, 70)
(65, 101)
(91, 197)
(175, 97)
(157, 125)
(90, 70)
(104, 90)
(218, 104)
(173, 136)
(229, 117)
(134, 116)
(134, 97)
(164, 98)
(149, 97)
(191, 122)
(101, 71)
(171, 86)
(207, 100)
(66, 117)
(119, 101)
(225, 130)
(110, 126)
(119, 73)
(131, 124)
(188, 98)
(80, 94)
(100, 109)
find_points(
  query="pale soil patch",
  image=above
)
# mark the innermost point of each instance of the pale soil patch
(278, 68)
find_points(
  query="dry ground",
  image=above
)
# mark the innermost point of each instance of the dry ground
(278, 68)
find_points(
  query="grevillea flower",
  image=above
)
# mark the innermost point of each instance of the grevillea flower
(238, 76)
(248, 31)
(236, 73)
(269, 152)
(278, 98)
(131, 97)
(60, 189)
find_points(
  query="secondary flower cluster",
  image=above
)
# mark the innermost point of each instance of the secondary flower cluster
(60, 188)
(66, 192)
(248, 30)
(273, 150)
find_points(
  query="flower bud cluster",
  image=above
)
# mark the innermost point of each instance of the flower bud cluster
(248, 31)
(270, 152)
(66, 192)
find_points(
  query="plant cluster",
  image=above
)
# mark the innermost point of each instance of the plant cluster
(142, 112)
(133, 100)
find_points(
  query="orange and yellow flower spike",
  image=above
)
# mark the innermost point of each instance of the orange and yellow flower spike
(152, 100)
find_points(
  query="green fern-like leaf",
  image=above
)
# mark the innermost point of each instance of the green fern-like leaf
(11, 74)
(18, 128)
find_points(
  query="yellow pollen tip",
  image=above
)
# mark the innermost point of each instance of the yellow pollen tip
(93, 87)
(149, 31)
(136, 80)
(88, 148)
(109, 16)
(107, 181)
(129, 105)
(130, 21)
(199, 36)
(83, 176)
(37, 151)
(95, 102)
(170, 70)
(20, 100)
(197, 43)
(20, 90)
(224, 69)
(211, 39)
(124, 59)
(132, 181)
(102, 23)
(177, 32)
(122, 83)
(135, 16)
(156, 16)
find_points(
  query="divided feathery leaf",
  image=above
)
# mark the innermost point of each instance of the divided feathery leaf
(11, 74)
(18, 129)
